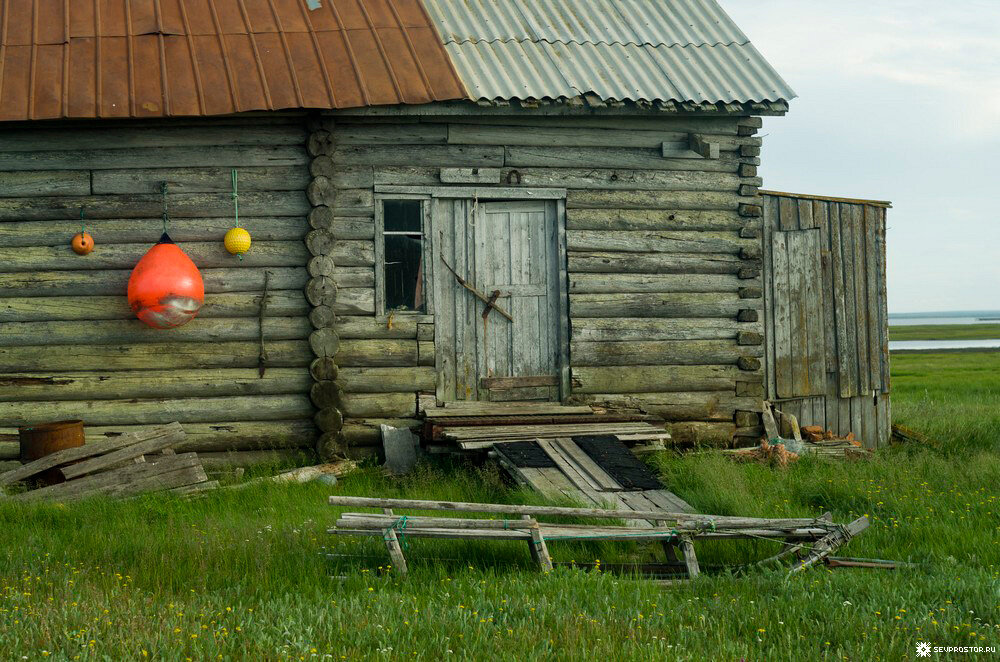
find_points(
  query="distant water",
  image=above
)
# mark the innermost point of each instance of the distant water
(954, 317)
(943, 344)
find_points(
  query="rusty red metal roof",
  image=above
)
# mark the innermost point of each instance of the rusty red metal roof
(155, 58)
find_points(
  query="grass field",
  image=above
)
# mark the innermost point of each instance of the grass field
(251, 574)
(945, 332)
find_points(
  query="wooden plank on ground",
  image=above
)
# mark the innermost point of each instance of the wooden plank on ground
(89, 450)
(93, 465)
(576, 476)
(584, 463)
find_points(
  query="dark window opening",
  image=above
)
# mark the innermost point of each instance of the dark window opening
(403, 237)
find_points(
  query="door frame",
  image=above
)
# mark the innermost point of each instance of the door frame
(496, 193)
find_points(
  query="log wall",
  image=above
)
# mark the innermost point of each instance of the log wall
(664, 262)
(70, 347)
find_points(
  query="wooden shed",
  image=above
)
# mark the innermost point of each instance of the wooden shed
(590, 168)
(825, 313)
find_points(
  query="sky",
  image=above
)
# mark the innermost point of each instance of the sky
(896, 101)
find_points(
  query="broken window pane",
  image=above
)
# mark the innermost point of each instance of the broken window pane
(404, 266)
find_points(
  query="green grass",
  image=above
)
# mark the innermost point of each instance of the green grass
(945, 332)
(251, 574)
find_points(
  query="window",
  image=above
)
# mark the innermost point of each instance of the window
(403, 256)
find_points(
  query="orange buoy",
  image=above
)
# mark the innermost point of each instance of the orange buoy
(165, 289)
(82, 243)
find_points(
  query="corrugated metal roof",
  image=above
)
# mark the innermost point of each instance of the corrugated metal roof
(150, 58)
(622, 50)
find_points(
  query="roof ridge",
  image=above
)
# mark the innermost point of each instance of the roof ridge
(521, 40)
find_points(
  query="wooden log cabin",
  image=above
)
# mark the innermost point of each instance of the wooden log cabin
(590, 167)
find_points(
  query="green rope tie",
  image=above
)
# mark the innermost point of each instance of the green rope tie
(399, 525)
(236, 204)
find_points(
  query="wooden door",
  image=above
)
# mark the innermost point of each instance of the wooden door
(506, 249)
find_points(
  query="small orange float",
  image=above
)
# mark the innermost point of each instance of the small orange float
(82, 243)
(165, 289)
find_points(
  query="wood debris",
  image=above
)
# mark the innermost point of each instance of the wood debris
(132, 464)
(813, 539)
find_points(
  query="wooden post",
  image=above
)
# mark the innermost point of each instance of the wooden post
(690, 559)
(539, 550)
(395, 550)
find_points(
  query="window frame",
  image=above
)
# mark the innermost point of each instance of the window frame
(428, 263)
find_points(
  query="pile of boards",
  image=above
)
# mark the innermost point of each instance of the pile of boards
(806, 540)
(125, 466)
(785, 441)
(477, 426)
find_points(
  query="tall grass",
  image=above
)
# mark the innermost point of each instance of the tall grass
(251, 574)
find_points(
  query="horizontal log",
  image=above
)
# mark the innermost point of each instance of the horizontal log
(663, 241)
(329, 419)
(345, 227)
(324, 342)
(379, 405)
(635, 158)
(654, 378)
(672, 200)
(139, 205)
(232, 156)
(582, 283)
(678, 406)
(125, 256)
(387, 380)
(44, 182)
(646, 219)
(109, 332)
(111, 385)
(280, 303)
(341, 176)
(375, 353)
(391, 134)
(367, 431)
(158, 411)
(143, 137)
(560, 136)
(159, 356)
(147, 230)
(355, 301)
(401, 326)
(660, 352)
(627, 180)
(199, 180)
(597, 329)
(657, 304)
(115, 281)
(428, 155)
(701, 433)
(654, 263)
(216, 462)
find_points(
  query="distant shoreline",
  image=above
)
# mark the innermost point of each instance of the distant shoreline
(949, 350)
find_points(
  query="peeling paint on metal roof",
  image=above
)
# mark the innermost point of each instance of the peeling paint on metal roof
(621, 50)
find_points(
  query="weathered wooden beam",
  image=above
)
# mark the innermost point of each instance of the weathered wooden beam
(670, 200)
(144, 205)
(158, 356)
(660, 352)
(159, 410)
(110, 332)
(284, 303)
(115, 281)
(113, 385)
(663, 241)
(647, 219)
(653, 378)
(657, 304)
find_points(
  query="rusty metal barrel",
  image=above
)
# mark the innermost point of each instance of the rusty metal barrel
(41, 440)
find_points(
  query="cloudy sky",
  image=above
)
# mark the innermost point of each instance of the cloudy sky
(898, 100)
